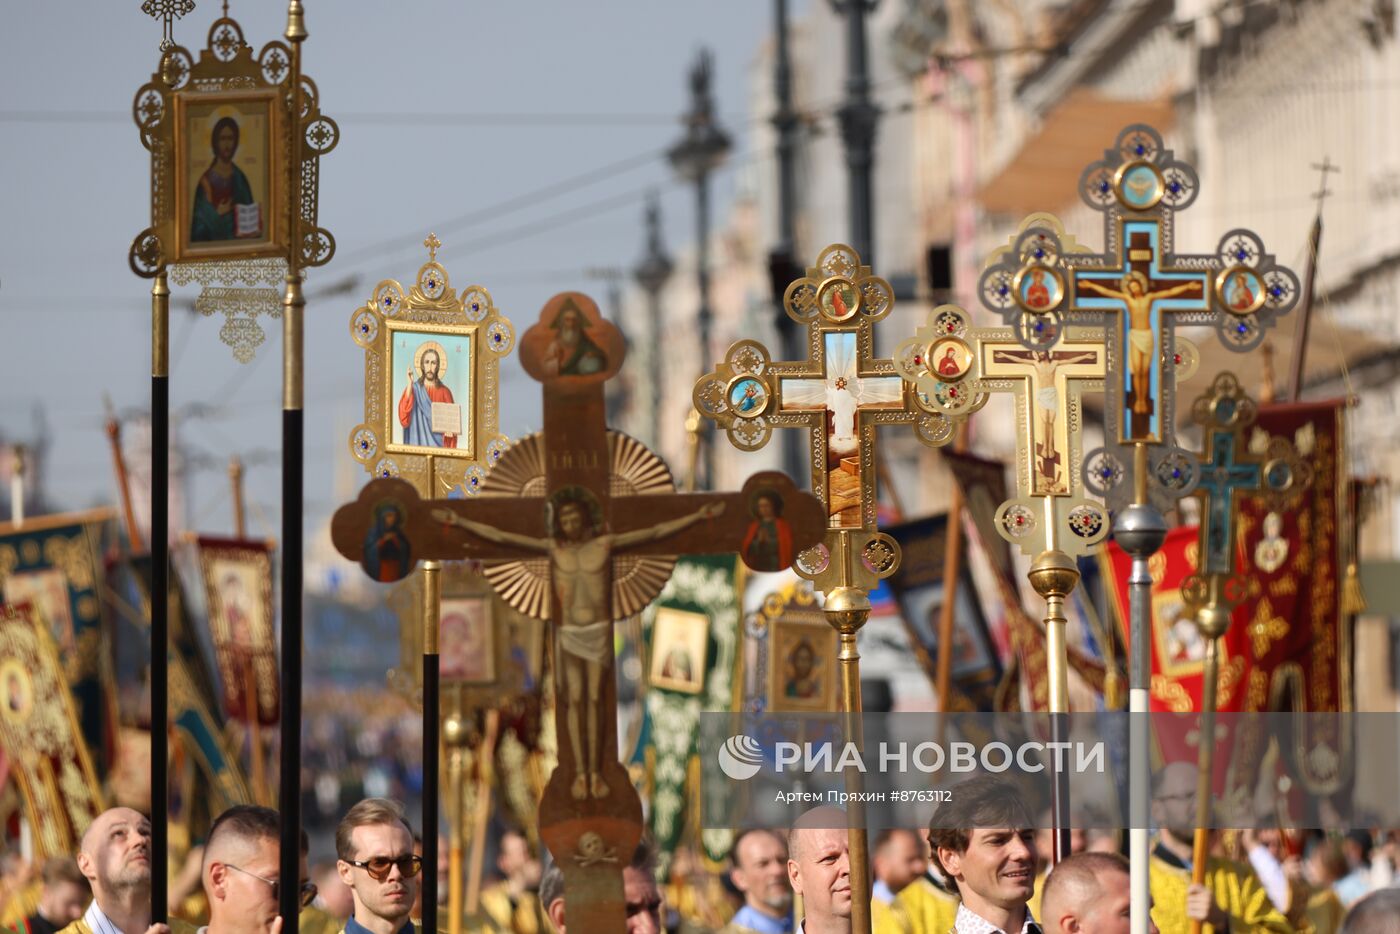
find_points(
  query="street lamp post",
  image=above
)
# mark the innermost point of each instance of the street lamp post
(698, 153)
(859, 115)
(782, 266)
(652, 273)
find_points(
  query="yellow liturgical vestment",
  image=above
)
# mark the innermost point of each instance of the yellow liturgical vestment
(1237, 891)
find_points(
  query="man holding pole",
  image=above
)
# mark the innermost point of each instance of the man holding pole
(1231, 899)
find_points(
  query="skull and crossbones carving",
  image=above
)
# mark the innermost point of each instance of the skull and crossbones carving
(592, 850)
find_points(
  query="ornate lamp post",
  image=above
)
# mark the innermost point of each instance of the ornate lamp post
(699, 152)
(652, 273)
(859, 115)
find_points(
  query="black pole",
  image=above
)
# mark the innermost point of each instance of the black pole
(432, 740)
(858, 118)
(783, 264)
(160, 600)
(293, 500)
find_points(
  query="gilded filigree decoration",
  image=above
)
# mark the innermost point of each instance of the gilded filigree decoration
(749, 395)
(466, 337)
(228, 64)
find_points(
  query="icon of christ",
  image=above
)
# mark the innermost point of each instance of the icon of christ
(419, 396)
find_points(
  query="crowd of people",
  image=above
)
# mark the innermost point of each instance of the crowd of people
(981, 867)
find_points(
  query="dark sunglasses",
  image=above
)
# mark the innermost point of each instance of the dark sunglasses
(378, 867)
(307, 890)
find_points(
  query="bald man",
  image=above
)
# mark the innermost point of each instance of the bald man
(819, 868)
(115, 858)
(1232, 897)
(1088, 893)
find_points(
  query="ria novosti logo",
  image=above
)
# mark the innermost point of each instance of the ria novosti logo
(740, 757)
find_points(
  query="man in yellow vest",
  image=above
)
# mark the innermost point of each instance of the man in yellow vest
(115, 858)
(898, 861)
(1232, 899)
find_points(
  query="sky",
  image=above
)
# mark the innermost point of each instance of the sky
(462, 117)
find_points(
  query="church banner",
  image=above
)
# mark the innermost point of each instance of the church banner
(1288, 646)
(54, 564)
(237, 579)
(692, 637)
(40, 736)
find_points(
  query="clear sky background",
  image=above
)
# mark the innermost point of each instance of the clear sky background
(447, 109)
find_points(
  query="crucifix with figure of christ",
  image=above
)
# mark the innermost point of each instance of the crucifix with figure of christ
(1141, 295)
(580, 526)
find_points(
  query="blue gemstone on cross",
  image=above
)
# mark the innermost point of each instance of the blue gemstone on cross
(1174, 187)
(1103, 187)
(1276, 291)
(1141, 149)
(1241, 254)
(476, 306)
(1242, 328)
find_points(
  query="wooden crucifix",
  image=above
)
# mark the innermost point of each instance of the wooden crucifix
(580, 526)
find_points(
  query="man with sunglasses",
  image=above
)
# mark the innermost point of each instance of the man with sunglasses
(241, 859)
(374, 843)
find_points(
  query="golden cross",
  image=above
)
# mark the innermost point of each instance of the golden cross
(955, 367)
(432, 243)
(839, 394)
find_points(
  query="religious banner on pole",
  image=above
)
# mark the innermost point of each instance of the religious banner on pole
(54, 564)
(1289, 643)
(920, 589)
(223, 212)
(237, 578)
(40, 736)
(692, 643)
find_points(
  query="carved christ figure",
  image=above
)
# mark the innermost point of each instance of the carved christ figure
(579, 552)
(1141, 339)
(1046, 402)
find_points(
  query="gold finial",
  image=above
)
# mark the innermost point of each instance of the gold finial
(432, 243)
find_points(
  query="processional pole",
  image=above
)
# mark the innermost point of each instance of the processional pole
(838, 301)
(293, 488)
(1231, 467)
(160, 587)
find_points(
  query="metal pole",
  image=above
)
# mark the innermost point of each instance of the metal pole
(432, 729)
(1054, 576)
(1212, 620)
(293, 506)
(786, 122)
(846, 609)
(1139, 530)
(858, 119)
(702, 281)
(160, 604)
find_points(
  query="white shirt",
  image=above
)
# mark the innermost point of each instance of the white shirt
(970, 922)
(99, 922)
(1271, 876)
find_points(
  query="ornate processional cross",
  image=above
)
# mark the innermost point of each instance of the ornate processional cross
(580, 525)
(1139, 289)
(839, 395)
(1229, 468)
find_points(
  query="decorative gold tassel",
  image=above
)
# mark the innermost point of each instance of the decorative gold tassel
(1113, 689)
(1353, 600)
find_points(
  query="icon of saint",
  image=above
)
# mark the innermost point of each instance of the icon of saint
(221, 190)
